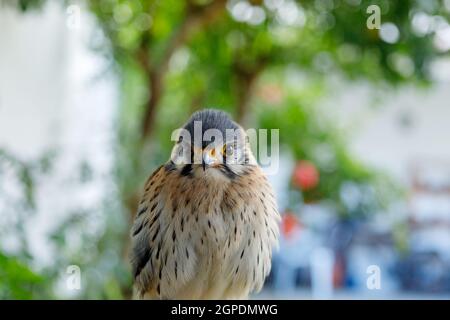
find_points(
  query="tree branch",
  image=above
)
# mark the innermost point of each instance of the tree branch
(245, 79)
(195, 18)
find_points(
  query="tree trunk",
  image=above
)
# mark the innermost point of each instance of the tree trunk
(245, 81)
(244, 93)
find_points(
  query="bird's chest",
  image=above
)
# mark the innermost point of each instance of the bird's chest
(223, 230)
(214, 229)
(222, 236)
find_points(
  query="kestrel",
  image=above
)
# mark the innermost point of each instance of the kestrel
(207, 221)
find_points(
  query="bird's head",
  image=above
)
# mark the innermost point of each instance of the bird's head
(211, 145)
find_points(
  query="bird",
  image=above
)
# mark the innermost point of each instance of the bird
(207, 222)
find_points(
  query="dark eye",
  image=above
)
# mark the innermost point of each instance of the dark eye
(227, 150)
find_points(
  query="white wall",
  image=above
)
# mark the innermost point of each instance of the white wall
(377, 131)
(52, 96)
(33, 68)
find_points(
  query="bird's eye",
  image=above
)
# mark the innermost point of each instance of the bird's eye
(227, 150)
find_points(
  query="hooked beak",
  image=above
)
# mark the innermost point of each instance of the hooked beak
(207, 160)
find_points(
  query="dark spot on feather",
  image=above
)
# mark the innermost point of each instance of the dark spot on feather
(142, 211)
(141, 257)
(158, 251)
(187, 171)
(170, 166)
(156, 234)
(228, 172)
(137, 230)
(154, 218)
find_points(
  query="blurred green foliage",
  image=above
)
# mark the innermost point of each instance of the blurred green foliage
(266, 62)
(17, 281)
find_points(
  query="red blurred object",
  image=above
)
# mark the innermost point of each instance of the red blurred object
(338, 272)
(289, 225)
(306, 175)
(271, 93)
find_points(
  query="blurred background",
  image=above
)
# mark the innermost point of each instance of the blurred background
(90, 92)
